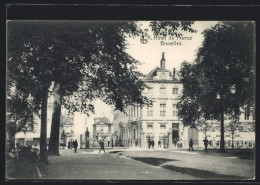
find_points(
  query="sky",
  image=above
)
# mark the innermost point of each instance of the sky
(149, 55)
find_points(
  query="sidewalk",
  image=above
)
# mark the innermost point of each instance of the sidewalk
(89, 164)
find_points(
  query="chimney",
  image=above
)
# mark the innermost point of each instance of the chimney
(173, 73)
(162, 61)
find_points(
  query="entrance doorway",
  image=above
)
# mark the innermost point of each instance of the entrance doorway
(175, 133)
(193, 134)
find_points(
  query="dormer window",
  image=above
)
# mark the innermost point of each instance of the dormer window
(163, 76)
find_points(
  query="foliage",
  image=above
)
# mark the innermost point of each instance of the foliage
(204, 125)
(86, 58)
(21, 112)
(172, 28)
(188, 106)
(228, 65)
(222, 78)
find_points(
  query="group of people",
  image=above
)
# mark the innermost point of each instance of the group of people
(73, 144)
(205, 141)
(151, 144)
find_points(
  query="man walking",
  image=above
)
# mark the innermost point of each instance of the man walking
(69, 144)
(206, 144)
(191, 145)
(159, 144)
(75, 145)
(102, 146)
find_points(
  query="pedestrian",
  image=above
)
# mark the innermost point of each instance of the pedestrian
(191, 145)
(152, 143)
(149, 143)
(112, 143)
(69, 144)
(159, 144)
(136, 142)
(75, 145)
(108, 142)
(206, 142)
(102, 147)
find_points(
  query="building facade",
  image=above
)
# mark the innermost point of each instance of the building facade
(160, 122)
(102, 129)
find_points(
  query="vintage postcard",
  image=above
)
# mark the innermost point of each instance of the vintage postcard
(130, 100)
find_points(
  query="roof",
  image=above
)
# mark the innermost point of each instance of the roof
(101, 120)
(153, 73)
(66, 120)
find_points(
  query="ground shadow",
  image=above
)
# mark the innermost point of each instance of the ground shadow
(115, 152)
(203, 174)
(152, 160)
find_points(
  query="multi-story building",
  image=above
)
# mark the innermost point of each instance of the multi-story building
(160, 121)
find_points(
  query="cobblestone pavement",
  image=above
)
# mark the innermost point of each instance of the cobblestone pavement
(146, 164)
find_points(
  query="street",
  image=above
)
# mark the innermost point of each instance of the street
(145, 164)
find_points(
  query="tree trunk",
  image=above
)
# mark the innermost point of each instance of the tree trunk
(55, 124)
(222, 142)
(43, 139)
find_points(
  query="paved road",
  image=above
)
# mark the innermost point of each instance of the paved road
(90, 165)
(127, 164)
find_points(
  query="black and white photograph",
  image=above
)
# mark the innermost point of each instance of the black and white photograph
(130, 100)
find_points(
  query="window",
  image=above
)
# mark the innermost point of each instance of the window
(163, 76)
(162, 126)
(150, 110)
(175, 126)
(150, 91)
(174, 90)
(162, 109)
(149, 126)
(174, 110)
(163, 90)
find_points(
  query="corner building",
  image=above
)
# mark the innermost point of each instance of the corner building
(158, 122)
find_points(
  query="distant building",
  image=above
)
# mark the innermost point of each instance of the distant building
(160, 121)
(66, 130)
(102, 129)
(33, 138)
